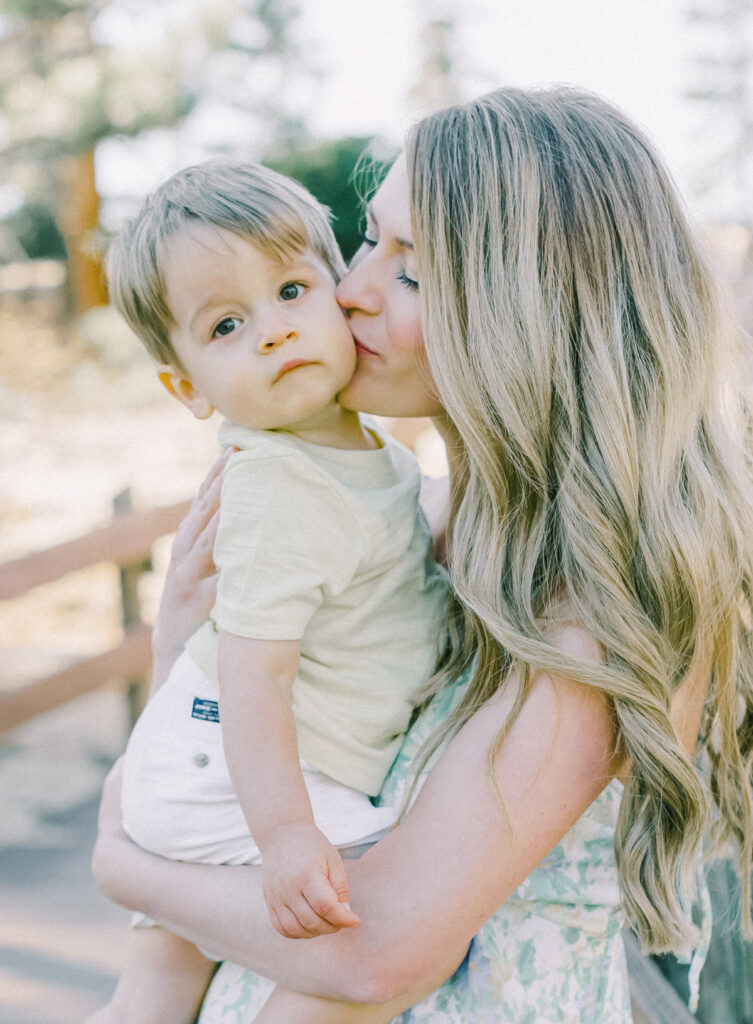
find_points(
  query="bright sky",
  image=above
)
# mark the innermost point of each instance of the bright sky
(630, 52)
(638, 54)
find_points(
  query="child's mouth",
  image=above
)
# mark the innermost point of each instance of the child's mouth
(292, 364)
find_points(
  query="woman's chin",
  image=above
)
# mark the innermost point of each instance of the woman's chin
(380, 398)
(357, 398)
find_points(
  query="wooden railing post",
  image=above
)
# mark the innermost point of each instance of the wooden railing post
(130, 575)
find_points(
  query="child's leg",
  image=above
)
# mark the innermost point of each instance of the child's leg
(163, 982)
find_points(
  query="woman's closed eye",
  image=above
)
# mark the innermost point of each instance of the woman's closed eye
(226, 326)
(409, 282)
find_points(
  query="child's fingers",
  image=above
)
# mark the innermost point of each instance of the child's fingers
(307, 918)
(296, 919)
(310, 924)
(338, 877)
(325, 902)
(277, 924)
(287, 923)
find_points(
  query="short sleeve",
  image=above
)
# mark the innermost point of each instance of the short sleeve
(286, 540)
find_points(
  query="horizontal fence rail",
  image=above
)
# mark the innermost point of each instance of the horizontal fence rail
(127, 539)
(126, 542)
(127, 661)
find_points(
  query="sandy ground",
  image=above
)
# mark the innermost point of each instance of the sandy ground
(79, 422)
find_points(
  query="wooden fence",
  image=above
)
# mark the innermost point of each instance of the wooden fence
(127, 542)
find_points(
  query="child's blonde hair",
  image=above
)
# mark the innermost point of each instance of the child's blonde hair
(578, 344)
(275, 213)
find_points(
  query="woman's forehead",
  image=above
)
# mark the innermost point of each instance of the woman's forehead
(390, 207)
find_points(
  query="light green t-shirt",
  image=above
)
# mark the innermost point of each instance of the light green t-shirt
(329, 547)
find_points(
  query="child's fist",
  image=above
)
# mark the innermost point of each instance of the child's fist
(305, 884)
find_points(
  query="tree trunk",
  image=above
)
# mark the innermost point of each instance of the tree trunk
(78, 219)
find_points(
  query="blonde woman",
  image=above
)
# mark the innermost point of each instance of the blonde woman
(584, 377)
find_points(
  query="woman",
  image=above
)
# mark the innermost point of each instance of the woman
(581, 372)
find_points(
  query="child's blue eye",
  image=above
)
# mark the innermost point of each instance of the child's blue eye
(226, 326)
(291, 291)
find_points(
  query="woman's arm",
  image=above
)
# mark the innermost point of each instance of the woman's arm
(285, 1005)
(424, 890)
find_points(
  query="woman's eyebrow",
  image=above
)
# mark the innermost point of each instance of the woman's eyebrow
(403, 242)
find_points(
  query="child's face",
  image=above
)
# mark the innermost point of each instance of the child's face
(264, 342)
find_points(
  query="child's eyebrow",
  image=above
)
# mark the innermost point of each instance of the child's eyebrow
(404, 243)
(212, 301)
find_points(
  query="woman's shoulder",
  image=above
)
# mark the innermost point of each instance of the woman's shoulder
(563, 628)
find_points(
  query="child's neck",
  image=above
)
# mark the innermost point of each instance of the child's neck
(335, 427)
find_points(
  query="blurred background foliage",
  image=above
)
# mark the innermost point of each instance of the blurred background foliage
(328, 169)
(76, 73)
(67, 83)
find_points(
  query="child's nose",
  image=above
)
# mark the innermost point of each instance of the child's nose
(274, 336)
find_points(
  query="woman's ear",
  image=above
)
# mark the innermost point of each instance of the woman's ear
(182, 388)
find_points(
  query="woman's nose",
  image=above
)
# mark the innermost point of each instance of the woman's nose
(357, 290)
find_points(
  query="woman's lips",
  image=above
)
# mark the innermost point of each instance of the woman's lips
(292, 364)
(364, 350)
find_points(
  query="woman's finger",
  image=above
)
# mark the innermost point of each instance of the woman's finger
(215, 473)
(207, 589)
(207, 538)
(199, 516)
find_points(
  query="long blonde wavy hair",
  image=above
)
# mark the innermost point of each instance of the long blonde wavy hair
(579, 346)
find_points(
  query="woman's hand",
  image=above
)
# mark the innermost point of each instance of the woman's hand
(191, 581)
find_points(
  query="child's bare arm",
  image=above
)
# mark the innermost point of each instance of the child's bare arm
(305, 884)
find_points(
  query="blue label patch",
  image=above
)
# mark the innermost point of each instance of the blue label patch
(205, 710)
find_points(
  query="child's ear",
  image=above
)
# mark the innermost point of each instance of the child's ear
(181, 387)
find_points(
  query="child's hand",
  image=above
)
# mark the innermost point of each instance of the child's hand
(305, 884)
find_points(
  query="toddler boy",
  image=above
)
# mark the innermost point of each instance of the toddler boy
(282, 716)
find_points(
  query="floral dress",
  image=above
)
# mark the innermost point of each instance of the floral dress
(552, 954)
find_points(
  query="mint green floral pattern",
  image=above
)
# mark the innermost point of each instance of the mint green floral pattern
(552, 954)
